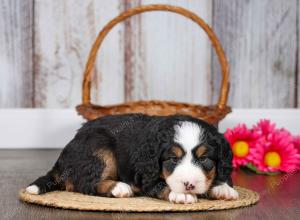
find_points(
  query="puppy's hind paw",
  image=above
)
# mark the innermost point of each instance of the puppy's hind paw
(33, 189)
(122, 190)
(223, 191)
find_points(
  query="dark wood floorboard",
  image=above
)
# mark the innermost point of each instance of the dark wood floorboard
(280, 195)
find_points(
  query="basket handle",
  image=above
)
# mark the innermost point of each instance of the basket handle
(86, 86)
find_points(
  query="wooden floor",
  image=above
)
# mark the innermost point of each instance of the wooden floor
(280, 195)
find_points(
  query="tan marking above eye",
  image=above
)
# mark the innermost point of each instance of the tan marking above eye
(177, 151)
(200, 150)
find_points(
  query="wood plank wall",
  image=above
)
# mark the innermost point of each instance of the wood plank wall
(16, 52)
(45, 43)
(64, 33)
(168, 55)
(263, 54)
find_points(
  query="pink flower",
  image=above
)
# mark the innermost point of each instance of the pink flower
(242, 142)
(276, 153)
(264, 127)
(296, 141)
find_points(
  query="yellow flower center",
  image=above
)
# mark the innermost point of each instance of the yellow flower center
(240, 148)
(272, 159)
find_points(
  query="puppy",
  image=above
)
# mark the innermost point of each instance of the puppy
(174, 158)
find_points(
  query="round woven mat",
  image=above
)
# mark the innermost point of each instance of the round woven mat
(70, 200)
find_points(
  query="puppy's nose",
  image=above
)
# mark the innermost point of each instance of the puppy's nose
(189, 186)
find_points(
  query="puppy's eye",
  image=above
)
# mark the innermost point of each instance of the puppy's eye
(173, 159)
(203, 159)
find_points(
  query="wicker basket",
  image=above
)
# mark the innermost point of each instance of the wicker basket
(212, 114)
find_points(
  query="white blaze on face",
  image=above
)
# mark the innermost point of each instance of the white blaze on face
(188, 135)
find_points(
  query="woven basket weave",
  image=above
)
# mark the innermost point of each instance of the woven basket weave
(212, 114)
(70, 200)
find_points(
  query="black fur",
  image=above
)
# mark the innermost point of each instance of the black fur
(138, 143)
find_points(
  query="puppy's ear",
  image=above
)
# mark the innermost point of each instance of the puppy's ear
(224, 160)
(146, 159)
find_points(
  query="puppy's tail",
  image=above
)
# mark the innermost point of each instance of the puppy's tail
(44, 184)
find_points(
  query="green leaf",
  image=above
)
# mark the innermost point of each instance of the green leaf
(251, 167)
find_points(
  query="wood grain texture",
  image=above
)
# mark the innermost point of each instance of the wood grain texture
(64, 33)
(158, 55)
(259, 38)
(16, 80)
(167, 55)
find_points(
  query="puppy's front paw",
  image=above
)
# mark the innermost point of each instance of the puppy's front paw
(223, 191)
(122, 190)
(182, 198)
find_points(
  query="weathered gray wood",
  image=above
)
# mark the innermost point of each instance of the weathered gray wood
(167, 55)
(158, 56)
(259, 37)
(64, 33)
(16, 53)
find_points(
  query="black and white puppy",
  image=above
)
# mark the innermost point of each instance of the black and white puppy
(173, 158)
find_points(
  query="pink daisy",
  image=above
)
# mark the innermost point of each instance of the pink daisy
(264, 127)
(296, 141)
(242, 142)
(276, 153)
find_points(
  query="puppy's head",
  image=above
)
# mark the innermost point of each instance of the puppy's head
(191, 162)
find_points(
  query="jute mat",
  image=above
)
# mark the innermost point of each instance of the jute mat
(70, 200)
